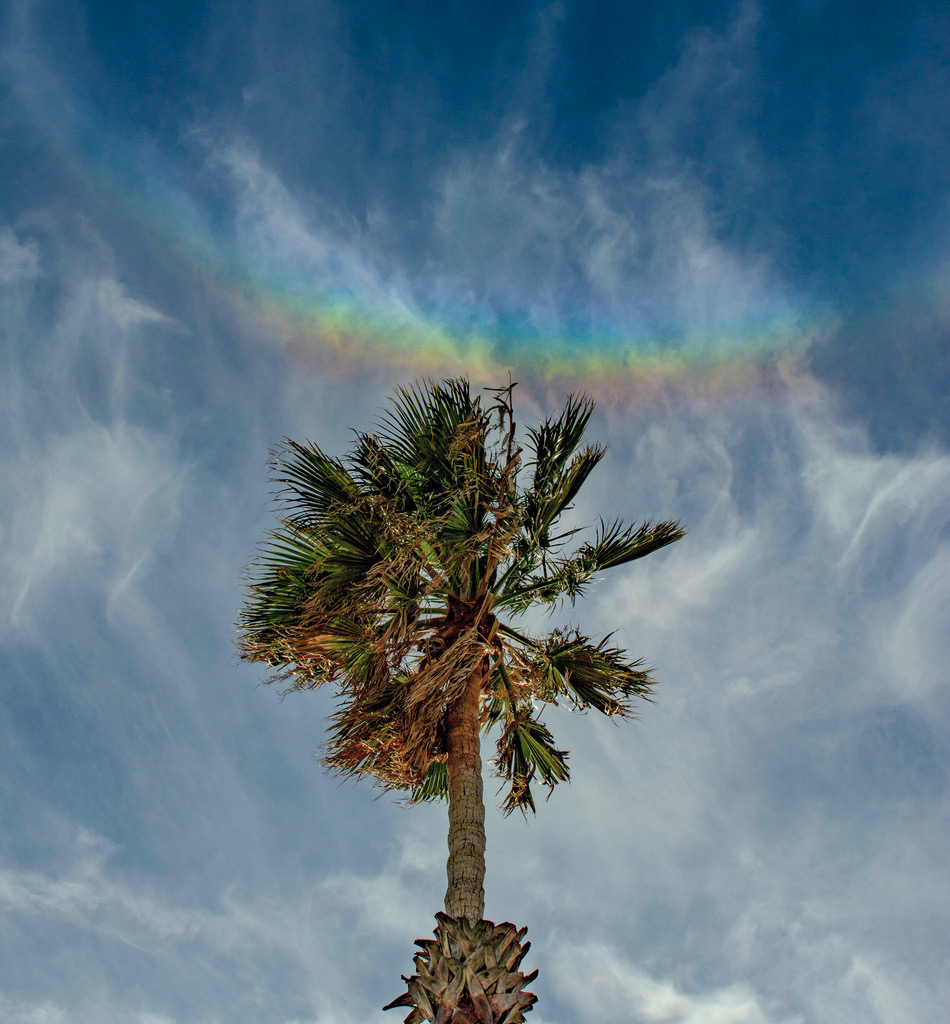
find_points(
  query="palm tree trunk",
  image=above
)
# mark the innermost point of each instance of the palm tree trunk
(465, 896)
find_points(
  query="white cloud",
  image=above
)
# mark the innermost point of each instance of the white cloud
(299, 243)
(912, 634)
(239, 938)
(795, 549)
(87, 493)
(87, 897)
(600, 985)
(638, 241)
(17, 1012)
(641, 245)
(89, 505)
(125, 311)
(18, 261)
(21, 1012)
(390, 904)
(636, 244)
(272, 224)
(887, 996)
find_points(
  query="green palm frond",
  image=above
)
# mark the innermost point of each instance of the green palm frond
(311, 480)
(616, 544)
(352, 544)
(566, 578)
(426, 429)
(558, 473)
(559, 579)
(567, 665)
(590, 675)
(526, 752)
(277, 594)
(379, 473)
(556, 440)
(544, 507)
(435, 785)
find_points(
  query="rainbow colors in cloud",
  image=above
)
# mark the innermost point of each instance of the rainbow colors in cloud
(340, 334)
(341, 315)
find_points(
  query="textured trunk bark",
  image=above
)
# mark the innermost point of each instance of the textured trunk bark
(465, 896)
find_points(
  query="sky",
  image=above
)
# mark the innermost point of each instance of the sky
(225, 224)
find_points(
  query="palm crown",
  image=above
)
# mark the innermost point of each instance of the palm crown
(392, 570)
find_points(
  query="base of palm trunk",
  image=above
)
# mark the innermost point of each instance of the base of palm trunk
(469, 974)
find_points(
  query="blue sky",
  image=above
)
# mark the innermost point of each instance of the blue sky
(225, 224)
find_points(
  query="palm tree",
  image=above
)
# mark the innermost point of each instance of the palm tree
(394, 576)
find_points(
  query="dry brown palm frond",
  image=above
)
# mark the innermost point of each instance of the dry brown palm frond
(443, 678)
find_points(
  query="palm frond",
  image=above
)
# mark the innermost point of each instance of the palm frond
(526, 752)
(380, 473)
(543, 507)
(366, 737)
(435, 785)
(311, 480)
(277, 588)
(588, 675)
(556, 440)
(558, 473)
(351, 547)
(423, 427)
(566, 578)
(616, 544)
(559, 579)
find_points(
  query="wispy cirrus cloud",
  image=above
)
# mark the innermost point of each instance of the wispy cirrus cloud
(89, 490)
(18, 261)
(117, 922)
(94, 505)
(768, 845)
(596, 981)
(638, 236)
